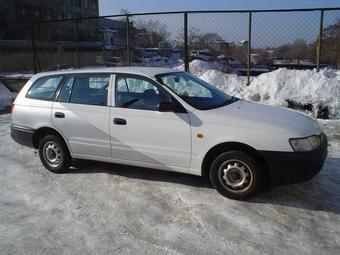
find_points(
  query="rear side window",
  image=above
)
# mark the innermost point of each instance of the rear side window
(45, 88)
(90, 89)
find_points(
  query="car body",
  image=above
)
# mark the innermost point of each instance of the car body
(170, 120)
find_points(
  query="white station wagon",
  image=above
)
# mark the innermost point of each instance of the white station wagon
(165, 119)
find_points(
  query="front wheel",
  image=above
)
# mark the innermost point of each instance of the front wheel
(54, 154)
(236, 175)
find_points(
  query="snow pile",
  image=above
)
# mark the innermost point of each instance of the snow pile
(306, 86)
(274, 88)
(198, 67)
(230, 83)
(6, 97)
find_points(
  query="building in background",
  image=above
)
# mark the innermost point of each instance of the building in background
(15, 15)
(113, 32)
(71, 43)
(27, 11)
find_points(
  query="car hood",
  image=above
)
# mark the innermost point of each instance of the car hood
(250, 115)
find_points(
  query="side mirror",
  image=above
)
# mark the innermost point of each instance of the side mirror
(167, 107)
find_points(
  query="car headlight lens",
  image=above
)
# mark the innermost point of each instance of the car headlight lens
(305, 144)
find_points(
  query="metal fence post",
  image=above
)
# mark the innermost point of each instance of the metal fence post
(128, 40)
(34, 52)
(185, 53)
(318, 56)
(77, 44)
(249, 48)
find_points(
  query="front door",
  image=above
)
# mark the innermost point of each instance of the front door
(140, 133)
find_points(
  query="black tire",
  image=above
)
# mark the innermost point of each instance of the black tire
(54, 154)
(236, 175)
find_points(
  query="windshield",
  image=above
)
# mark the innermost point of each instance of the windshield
(194, 91)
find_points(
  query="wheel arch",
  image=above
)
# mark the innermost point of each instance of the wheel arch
(42, 132)
(233, 146)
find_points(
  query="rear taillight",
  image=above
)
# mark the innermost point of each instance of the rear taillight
(12, 107)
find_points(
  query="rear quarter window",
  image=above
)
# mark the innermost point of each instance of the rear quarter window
(45, 88)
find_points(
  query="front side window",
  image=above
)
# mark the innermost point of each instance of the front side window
(194, 91)
(45, 88)
(88, 89)
(137, 92)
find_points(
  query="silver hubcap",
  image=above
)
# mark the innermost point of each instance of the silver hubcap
(52, 154)
(236, 175)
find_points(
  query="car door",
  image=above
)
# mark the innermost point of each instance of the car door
(141, 133)
(81, 114)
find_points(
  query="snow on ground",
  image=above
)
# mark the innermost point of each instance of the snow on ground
(6, 97)
(114, 209)
(332, 129)
(274, 88)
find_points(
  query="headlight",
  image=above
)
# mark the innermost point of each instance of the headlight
(305, 144)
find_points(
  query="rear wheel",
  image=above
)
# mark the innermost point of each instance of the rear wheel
(54, 154)
(236, 175)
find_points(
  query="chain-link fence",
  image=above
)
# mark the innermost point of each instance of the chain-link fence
(242, 42)
(156, 40)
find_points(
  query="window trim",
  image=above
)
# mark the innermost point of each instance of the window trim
(181, 108)
(64, 76)
(69, 77)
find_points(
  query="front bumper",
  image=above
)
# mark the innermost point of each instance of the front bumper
(295, 167)
(22, 135)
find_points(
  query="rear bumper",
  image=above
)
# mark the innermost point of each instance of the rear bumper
(295, 167)
(22, 135)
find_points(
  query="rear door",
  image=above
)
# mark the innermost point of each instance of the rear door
(81, 114)
(140, 133)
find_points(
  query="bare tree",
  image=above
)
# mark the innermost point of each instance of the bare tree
(124, 11)
(157, 31)
(194, 35)
(298, 49)
(331, 44)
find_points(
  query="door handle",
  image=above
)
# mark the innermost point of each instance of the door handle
(59, 115)
(118, 121)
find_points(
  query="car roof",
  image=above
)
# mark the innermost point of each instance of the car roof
(144, 71)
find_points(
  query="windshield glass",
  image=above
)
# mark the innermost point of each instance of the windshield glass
(194, 91)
